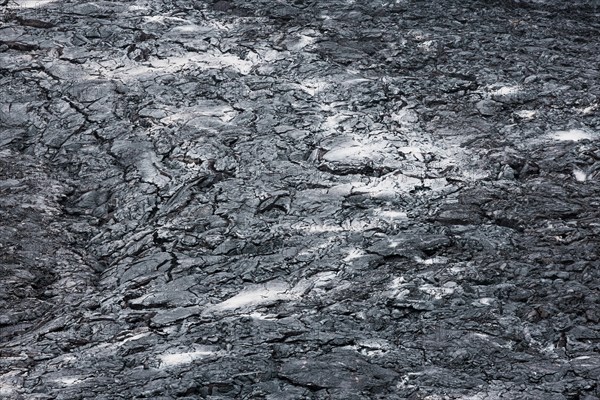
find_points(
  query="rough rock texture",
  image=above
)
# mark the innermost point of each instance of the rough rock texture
(304, 199)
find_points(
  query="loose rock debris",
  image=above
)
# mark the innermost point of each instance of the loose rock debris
(300, 199)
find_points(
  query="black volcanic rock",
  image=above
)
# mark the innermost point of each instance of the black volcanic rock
(299, 200)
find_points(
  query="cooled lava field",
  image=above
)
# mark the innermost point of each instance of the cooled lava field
(300, 199)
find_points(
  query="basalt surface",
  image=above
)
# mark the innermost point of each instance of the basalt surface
(330, 199)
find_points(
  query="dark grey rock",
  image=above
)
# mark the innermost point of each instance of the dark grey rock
(488, 108)
(299, 200)
(337, 371)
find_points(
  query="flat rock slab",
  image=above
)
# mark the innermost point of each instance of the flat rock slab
(337, 371)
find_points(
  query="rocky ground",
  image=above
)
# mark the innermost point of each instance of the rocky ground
(309, 199)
